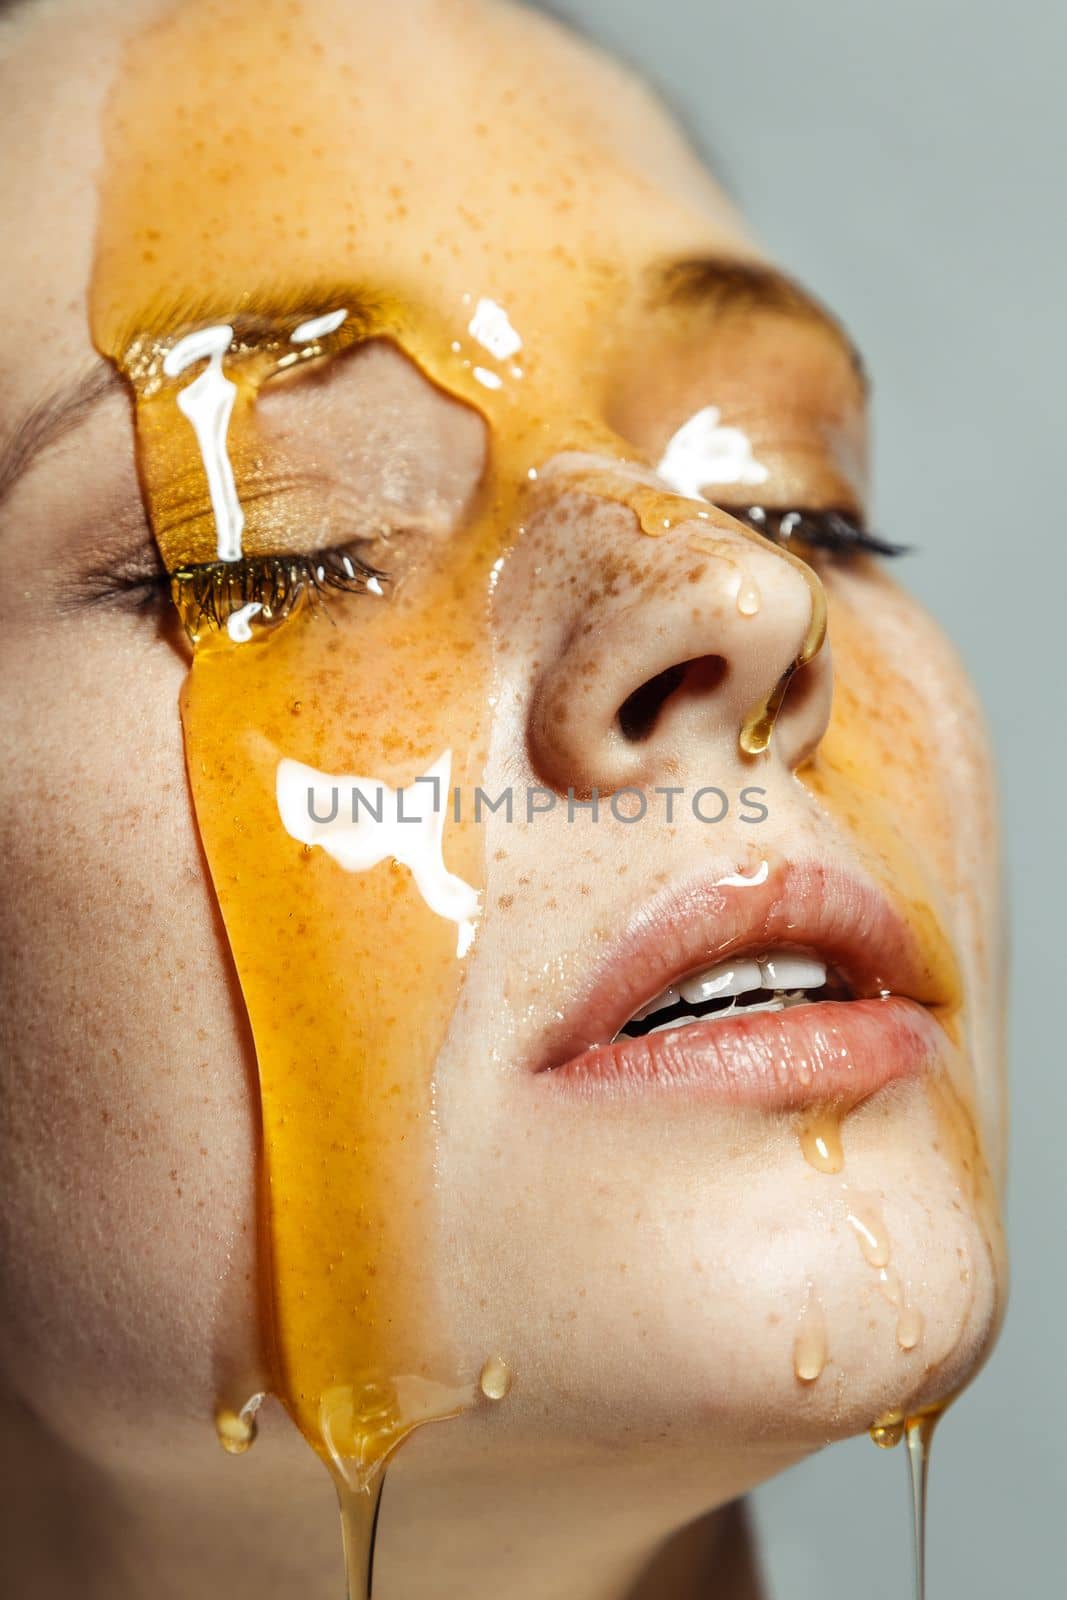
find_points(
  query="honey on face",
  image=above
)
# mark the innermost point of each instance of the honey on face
(268, 170)
(349, 979)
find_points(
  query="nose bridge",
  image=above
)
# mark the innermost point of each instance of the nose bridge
(669, 646)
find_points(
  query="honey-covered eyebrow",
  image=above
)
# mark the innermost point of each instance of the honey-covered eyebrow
(725, 286)
(261, 314)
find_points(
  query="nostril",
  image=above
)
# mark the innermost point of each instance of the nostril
(640, 711)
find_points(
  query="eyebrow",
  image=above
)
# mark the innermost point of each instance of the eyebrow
(263, 312)
(52, 418)
(257, 315)
(724, 285)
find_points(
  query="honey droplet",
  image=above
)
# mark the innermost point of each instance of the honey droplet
(910, 1322)
(819, 1132)
(236, 1430)
(888, 1430)
(909, 1327)
(873, 1239)
(756, 730)
(891, 1286)
(748, 596)
(809, 1347)
(495, 1380)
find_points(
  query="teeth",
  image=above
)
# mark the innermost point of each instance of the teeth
(667, 998)
(787, 976)
(778, 1002)
(792, 972)
(728, 978)
(669, 1027)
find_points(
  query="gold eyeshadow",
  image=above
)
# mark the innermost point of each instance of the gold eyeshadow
(169, 459)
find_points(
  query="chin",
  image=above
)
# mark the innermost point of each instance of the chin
(692, 1280)
(836, 1299)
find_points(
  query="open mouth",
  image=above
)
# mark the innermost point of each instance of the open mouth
(739, 987)
(807, 986)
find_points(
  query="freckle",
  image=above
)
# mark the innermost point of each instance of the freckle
(506, 901)
(773, 1319)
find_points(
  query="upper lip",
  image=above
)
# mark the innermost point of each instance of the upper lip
(822, 910)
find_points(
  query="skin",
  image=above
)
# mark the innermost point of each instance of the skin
(643, 1264)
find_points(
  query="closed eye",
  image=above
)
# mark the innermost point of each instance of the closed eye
(208, 594)
(837, 533)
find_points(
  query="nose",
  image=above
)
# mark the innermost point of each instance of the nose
(671, 648)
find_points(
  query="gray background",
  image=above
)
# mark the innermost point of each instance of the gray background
(906, 159)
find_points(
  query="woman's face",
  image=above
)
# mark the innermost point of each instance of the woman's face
(725, 1242)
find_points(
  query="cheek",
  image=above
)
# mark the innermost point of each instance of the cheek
(128, 1248)
(904, 765)
(885, 734)
(906, 769)
(347, 932)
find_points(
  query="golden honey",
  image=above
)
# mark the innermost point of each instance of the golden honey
(267, 162)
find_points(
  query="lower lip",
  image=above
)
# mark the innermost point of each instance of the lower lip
(776, 1061)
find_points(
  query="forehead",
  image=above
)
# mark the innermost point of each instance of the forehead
(329, 139)
(433, 156)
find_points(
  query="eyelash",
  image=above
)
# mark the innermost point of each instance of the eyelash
(215, 590)
(833, 532)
